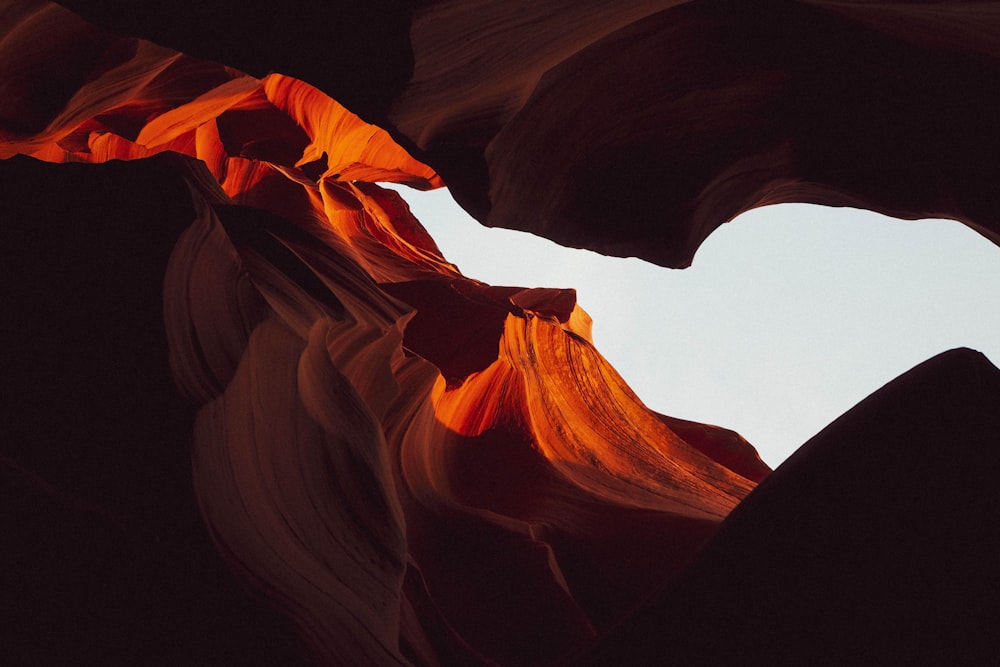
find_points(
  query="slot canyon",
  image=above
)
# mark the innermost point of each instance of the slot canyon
(253, 416)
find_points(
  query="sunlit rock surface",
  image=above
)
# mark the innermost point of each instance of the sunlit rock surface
(225, 334)
(668, 117)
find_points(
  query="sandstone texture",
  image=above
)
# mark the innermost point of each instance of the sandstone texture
(254, 416)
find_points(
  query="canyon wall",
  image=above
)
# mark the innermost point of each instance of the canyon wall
(255, 415)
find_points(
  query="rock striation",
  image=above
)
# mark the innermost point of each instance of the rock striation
(669, 117)
(244, 379)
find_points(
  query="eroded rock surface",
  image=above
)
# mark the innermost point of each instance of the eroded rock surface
(667, 117)
(220, 320)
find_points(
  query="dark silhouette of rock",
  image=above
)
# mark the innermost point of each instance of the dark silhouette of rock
(875, 543)
(105, 559)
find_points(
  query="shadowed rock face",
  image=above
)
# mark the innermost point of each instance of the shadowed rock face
(105, 557)
(223, 322)
(875, 543)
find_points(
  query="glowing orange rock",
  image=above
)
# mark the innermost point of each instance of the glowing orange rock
(383, 444)
(418, 468)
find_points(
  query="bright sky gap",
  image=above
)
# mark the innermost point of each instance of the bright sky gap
(789, 315)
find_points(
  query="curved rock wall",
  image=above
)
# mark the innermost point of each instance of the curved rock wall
(414, 467)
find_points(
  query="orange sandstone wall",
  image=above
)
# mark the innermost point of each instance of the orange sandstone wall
(230, 345)
(380, 444)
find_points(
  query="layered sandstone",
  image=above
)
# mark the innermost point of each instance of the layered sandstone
(223, 322)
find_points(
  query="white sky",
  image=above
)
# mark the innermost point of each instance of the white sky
(789, 315)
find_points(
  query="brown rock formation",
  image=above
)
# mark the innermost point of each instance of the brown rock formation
(669, 117)
(105, 557)
(412, 466)
(680, 115)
